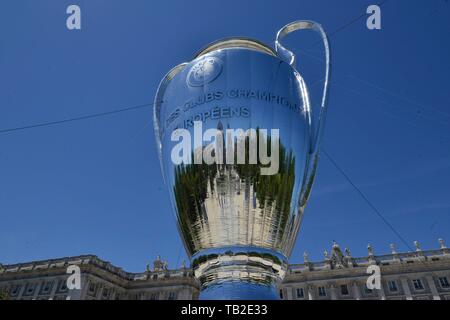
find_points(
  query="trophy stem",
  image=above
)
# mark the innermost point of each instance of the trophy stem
(239, 273)
(239, 290)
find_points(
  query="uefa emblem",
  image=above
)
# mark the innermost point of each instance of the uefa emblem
(204, 71)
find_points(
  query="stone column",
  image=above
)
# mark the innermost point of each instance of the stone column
(289, 294)
(98, 296)
(356, 291)
(381, 293)
(37, 289)
(54, 287)
(22, 289)
(85, 282)
(333, 292)
(310, 292)
(406, 289)
(180, 293)
(433, 288)
(113, 294)
(189, 293)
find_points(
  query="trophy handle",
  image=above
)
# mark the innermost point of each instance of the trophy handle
(159, 99)
(316, 135)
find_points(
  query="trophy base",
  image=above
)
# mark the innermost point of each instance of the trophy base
(239, 273)
(238, 290)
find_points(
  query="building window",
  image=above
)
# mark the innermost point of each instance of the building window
(418, 284)
(300, 293)
(46, 287)
(63, 285)
(392, 286)
(443, 281)
(344, 290)
(172, 295)
(322, 292)
(281, 294)
(15, 290)
(30, 289)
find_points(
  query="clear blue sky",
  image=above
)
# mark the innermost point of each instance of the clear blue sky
(94, 186)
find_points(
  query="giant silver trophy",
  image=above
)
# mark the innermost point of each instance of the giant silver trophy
(239, 226)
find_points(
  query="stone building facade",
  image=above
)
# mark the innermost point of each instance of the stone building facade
(420, 274)
(100, 280)
(417, 275)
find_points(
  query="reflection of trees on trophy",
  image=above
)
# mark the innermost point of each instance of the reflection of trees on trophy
(244, 196)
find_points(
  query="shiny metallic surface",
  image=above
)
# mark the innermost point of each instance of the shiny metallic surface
(238, 226)
(239, 272)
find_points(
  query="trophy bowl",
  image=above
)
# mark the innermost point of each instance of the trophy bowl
(238, 152)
